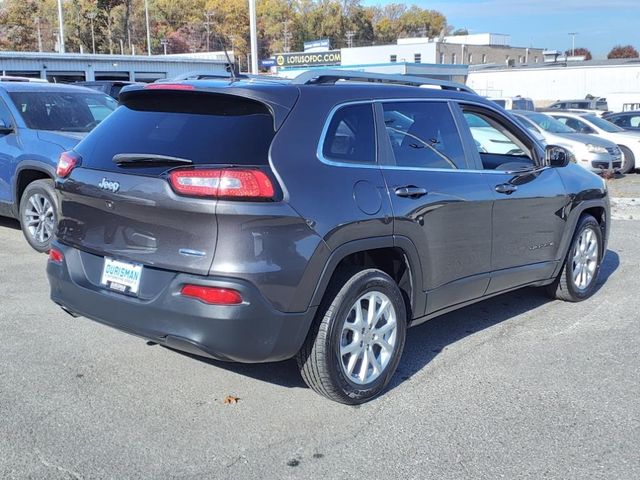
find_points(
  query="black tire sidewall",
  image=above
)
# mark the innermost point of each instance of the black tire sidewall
(43, 187)
(591, 223)
(628, 164)
(370, 281)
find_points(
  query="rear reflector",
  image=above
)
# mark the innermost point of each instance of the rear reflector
(223, 183)
(212, 295)
(168, 86)
(55, 255)
(67, 162)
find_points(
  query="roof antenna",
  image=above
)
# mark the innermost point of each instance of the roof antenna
(232, 65)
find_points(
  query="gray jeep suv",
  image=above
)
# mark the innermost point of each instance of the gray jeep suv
(257, 220)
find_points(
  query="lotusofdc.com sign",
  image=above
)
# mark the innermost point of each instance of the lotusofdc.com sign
(302, 59)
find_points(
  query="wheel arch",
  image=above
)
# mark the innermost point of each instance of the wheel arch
(26, 173)
(396, 256)
(599, 209)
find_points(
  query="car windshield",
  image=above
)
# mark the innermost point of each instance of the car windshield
(549, 124)
(63, 111)
(603, 124)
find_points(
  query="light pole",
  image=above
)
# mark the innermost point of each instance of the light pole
(207, 24)
(254, 36)
(39, 34)
(92, 16)
(146, 15)
(61, 26)
(573, 42)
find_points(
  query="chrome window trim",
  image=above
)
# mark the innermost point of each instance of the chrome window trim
(325, 130)
(376, 165)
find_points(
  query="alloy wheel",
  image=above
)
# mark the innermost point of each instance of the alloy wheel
(39, 218)
(585, 259)
(368, 338)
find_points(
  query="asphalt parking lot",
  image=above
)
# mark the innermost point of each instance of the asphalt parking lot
(514, 387)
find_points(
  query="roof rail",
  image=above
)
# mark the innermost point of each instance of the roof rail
(328, 76)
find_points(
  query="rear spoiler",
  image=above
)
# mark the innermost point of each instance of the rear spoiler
(279, 99)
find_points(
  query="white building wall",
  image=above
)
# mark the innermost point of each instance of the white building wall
(548, 84)
(382, 54)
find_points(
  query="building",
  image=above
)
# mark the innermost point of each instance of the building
(545, 83)
(74, 67)
(483, 48)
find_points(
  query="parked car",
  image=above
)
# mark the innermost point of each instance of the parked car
(593, 153)
(628, 142)
(335, 210)
(514, 103)
(626, 120)
(597, 104)
(12, 78)
(38, 121)
(110, 87)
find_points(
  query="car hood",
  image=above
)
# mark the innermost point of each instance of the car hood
(626, 135)
(65, 140)
(585, 138)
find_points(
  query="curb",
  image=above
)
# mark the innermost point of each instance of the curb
(625, 208)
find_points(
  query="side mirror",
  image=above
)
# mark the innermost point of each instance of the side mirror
(5, 129)
(556, 157)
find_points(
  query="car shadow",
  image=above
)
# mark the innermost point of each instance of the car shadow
(424, 342)
(9, 223)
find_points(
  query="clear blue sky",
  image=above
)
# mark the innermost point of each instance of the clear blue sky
(600, 24)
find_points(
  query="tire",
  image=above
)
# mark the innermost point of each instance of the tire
(39, 214)
(336, 328)
(567, 287)
(629, 161)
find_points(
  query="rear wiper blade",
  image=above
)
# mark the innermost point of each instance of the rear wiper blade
(148, 159)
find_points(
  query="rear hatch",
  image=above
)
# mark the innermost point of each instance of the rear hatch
(118, 202)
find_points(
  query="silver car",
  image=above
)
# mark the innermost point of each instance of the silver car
(593, 153)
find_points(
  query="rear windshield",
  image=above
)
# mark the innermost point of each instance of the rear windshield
(204, 128)
(63, 111)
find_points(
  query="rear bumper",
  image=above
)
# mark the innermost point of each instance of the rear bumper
(250, 332)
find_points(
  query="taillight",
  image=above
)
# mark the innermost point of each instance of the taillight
(241, 183)
(55, 255)
(212, 295)
(67, 162)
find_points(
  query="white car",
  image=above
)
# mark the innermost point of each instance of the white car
(629, 142)
(591, 152)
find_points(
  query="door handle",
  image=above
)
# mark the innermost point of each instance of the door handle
(410, 191)
(506, 188)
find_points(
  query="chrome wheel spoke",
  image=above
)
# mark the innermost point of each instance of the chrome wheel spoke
(368, 338)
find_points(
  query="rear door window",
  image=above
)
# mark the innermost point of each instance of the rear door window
(205, 128)
(424, 135)
(350, 136)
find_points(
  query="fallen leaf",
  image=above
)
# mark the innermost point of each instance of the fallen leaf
(230, 399)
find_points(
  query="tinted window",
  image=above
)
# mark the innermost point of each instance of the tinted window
(575, 124)
(549, 123)
(351, 135)
(62, 111)
(423, 135)
(603, 124)
(5, 115)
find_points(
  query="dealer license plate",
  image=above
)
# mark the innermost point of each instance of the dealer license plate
(123, 277)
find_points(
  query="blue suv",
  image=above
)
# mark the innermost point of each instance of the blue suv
(37, 123)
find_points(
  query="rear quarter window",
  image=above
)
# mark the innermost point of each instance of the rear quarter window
(350, 136)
